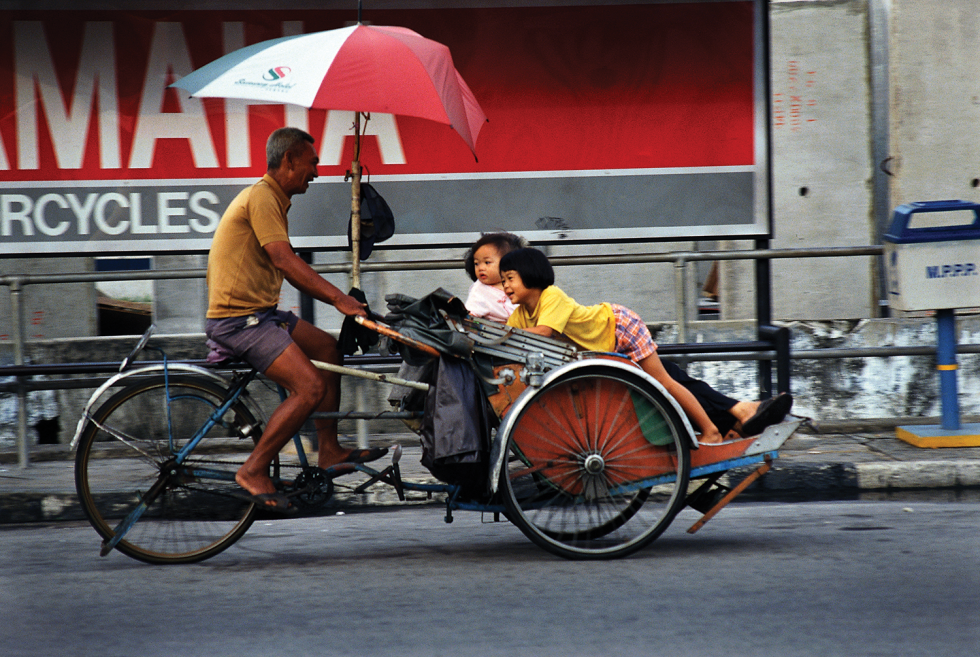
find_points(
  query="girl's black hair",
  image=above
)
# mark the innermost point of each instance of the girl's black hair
(503, 242)
(531, 265)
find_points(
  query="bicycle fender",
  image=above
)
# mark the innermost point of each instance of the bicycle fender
(176, 368)
(498, 451)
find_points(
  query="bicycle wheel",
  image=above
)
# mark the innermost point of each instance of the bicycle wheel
(597, 464)
(128, 447)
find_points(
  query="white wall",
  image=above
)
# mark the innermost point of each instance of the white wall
(935, 100)
(821, 157)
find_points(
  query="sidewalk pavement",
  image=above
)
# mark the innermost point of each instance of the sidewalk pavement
(865, 464)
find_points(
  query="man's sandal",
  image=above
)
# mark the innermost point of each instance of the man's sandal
(365, 455)
(280, 503)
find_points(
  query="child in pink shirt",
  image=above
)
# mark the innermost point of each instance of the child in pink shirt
(486, 298)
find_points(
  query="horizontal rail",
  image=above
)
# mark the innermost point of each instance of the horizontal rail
(424, 265)
(107, 367)
(713, 347)
(754, 350)
(367, 415)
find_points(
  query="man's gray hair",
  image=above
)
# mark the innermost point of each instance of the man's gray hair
(282, 141)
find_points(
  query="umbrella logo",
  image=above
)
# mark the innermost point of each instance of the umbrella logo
(277, 73)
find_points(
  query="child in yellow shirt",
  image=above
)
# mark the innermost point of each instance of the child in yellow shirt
(543, 308)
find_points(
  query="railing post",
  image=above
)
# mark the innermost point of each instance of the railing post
(779, 337)
(763, 311)
(307, 311)
(17, 328)
(680, 296)
(363, 441)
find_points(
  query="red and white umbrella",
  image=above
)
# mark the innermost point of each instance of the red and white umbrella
(363, 69)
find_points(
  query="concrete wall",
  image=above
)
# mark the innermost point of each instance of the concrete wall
(179, 305)
(821, 158)
(935, 100)
(50, 311)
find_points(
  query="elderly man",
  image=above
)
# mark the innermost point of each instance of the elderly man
(249, 259)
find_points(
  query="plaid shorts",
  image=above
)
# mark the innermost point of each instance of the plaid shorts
(632, 336)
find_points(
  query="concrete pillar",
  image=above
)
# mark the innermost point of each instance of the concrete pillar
(179, 305)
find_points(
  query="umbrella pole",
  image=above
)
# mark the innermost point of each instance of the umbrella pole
(355, 206)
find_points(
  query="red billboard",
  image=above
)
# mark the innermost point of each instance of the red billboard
(640, 121)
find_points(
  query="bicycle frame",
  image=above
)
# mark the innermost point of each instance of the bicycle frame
(239, 384)
(236, 388)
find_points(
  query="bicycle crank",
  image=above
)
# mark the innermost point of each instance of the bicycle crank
(312, 487)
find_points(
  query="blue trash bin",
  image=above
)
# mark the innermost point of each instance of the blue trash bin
(933, 267)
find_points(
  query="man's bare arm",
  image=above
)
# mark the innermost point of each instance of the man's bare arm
(301, 276)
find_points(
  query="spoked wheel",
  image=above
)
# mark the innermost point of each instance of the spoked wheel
(127, 450)
(597, 463)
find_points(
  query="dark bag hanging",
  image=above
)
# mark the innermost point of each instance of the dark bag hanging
(455, 428)
(377, 221)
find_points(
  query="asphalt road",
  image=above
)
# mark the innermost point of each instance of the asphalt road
(854, 578)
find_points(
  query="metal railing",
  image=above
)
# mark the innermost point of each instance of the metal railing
(684, 308)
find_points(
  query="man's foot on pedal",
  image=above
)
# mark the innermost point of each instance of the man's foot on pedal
(365, 455)
(272, 502)
(275, 501)
(353, 457)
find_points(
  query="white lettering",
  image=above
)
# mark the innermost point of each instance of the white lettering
(165, 211)
(82, 212)
(296, 116)
(238, 144)
(40, 220)
(136, 215)
(10, 214)
(53, 215)
(169, 59)
(68, 122)
(213, 217)
(102, 221)
(339, 127)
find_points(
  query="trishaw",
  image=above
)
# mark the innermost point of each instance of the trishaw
(587, 455)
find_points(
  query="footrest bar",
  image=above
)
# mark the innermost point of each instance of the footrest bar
(731, 495)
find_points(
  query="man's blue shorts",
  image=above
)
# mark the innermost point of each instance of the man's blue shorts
(258, 339)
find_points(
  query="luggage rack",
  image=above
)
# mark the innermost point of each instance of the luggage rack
(513, 344)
